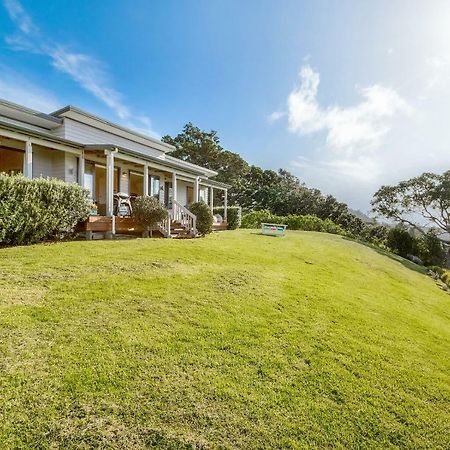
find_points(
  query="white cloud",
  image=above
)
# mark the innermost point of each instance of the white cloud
(348, 129)
(88, 73)
(275, 116)
(20, 17)
(84, 69)
(352, 152)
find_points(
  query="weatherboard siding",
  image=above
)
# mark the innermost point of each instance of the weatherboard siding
(86, 134)
(49, 163)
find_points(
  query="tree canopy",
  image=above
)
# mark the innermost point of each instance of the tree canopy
(418, 202)
(254, 188)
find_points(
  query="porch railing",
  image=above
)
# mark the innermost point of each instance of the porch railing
(180, 214)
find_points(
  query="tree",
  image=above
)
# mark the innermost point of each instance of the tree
(148, 211)
(254, 188)
(420, 202)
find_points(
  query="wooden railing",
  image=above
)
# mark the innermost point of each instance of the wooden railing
(164, 226)
(182, 215)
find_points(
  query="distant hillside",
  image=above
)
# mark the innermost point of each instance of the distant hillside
(364, 217)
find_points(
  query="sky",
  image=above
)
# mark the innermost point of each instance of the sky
(347, 95)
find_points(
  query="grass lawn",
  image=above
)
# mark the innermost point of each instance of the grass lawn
(233, 341)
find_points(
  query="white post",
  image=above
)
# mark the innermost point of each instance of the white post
(146, 180)
(174, 186)
(211, 199)
(109, 182)
(225, 205)
(28, 160)
(196, 188)
(81, 170)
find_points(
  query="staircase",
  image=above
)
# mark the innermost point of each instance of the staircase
(180, 224)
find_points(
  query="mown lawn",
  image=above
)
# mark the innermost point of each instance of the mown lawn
(232, 341)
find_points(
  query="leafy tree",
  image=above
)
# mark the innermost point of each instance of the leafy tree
(148, 211)
(254, 188)
(425, 198)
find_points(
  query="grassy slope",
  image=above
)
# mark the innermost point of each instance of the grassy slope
(236, 340)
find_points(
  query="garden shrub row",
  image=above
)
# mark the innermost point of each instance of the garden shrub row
(39, 209)
(234, 216)
(293, 222)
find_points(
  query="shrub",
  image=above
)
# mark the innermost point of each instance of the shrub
(148, 211)
(375, 234)
(234, 216)
(430, 249)
(39, 209)
(255, 218)
(445, 277)
(400, 241)
(204, 217)
(437, 269)
(311, 223)
(293, 222)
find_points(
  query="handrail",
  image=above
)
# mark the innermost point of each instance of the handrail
(181, 214)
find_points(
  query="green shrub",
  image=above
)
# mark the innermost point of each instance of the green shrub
(148, 211)
(375, 234)
(431, 250)
(400, 241)
(204, 217)
(234, 216)
(39, 209)
(437, 269)
(293, 222)
(255, 218)
(445, 277)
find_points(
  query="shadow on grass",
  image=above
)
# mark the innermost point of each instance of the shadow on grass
(267, 235)
(405, 262)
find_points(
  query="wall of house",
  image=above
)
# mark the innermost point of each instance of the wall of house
(54, 164)
(182, 194)
(86, 134)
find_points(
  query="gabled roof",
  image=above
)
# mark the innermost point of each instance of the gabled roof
(26, 115)
(87, 118)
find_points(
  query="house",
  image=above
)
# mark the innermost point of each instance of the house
(105, 158)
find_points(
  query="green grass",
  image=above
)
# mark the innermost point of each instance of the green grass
(233, 341)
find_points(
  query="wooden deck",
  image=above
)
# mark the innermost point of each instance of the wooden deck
(125, 226)
(220, 226)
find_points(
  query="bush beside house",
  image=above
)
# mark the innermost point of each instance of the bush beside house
(204, 217)
(39, 209)
(234, 216)
(148, 211)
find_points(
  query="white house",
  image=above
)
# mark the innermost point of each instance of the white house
(76, 146)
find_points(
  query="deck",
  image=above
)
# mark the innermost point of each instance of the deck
(125, 226)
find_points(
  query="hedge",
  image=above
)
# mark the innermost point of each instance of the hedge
(234, 216)
(39, 209)
(293, 222)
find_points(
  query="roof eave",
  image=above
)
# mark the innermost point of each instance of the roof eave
(173, 163)
(69, 108)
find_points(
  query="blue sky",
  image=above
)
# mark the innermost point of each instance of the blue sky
(348, 95)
